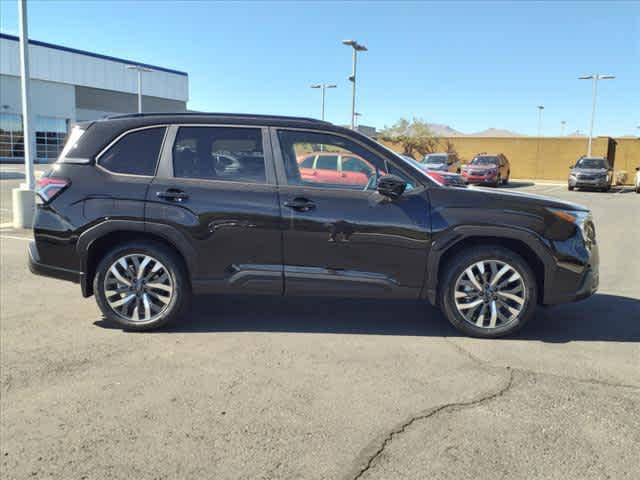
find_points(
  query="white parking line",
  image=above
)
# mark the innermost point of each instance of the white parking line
(11, 237)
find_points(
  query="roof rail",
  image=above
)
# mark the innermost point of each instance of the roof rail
(217, 114)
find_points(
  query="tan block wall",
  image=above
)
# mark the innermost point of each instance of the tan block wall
(627, 156)
(547, 158)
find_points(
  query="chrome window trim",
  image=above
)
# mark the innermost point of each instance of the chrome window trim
(124, 134)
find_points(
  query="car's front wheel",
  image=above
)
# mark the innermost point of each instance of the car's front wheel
(141, 286)
(489, 291)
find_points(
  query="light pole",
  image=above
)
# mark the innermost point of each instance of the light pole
(540, 109)
(358, 115)
(23, 198)
(139, 69)
(324, 87)
(562, 125)
(356, 48)
(594, 78)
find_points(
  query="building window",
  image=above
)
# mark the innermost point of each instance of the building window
(11, 139)
(50, 135)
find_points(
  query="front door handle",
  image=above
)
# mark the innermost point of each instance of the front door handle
(300, 204)
(173, 195)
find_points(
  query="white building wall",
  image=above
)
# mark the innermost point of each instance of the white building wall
(55, 65)
(48, 99)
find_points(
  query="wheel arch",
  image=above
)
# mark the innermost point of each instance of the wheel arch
(98, 241)
(526, 244)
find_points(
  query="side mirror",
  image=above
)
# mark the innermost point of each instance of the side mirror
(391, 186)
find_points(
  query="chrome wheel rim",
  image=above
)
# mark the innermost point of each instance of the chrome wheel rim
(138, 288)
(490, 294)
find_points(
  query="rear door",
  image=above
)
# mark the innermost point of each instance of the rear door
(216, 188)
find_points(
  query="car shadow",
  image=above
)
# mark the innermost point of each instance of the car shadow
(517, 184)
(602, 317)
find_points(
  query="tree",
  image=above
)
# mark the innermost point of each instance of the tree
(415, 137)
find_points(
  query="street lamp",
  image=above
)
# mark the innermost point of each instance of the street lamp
(139, 69)
(540, 109)
(358, 115)
(562, 124)
(595, 77)
(356, 48)
(324, 87)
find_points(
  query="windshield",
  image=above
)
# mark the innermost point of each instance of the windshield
(485, 161)
(435, 159)
(592, 163)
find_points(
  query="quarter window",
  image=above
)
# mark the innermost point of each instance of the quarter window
(219, 153)
(134, 154)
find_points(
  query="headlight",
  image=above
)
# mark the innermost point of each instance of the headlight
(581, 219)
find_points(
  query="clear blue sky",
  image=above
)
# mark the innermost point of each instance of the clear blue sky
(471, 65)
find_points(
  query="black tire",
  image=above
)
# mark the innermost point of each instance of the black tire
(506, 180)
(571, 188)
(454, 270)
(176, 272)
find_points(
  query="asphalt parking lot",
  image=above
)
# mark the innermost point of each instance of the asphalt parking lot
(322, 389)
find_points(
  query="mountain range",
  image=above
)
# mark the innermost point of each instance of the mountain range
(447, 131)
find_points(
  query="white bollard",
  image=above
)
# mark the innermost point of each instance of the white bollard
(24, 207)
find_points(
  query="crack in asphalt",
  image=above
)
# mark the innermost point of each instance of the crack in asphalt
(591, 381)
(507, 384)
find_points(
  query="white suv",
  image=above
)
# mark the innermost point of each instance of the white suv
(446, 162)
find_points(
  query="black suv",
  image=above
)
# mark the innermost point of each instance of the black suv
(143, 210)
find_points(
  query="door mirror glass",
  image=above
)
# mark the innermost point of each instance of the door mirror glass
(391, 186)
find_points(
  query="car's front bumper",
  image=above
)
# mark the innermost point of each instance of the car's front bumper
(480, 179)
(593, 183)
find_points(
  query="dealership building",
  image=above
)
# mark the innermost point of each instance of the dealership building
(70, 85)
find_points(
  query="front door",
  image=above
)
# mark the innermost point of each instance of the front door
(347, 239)
(215, 186)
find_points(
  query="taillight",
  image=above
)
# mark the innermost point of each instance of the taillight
(49, 188)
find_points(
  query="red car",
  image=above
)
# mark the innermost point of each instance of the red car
(335, 168)
(489, 169)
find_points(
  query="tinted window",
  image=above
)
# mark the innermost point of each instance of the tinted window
(135, 154)
(435, 159)
(219, 153)
(327, 162)
(353, 164)
(308, 162)
(485, 161)
(592, 163)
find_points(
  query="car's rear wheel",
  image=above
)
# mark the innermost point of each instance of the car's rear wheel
(141, 286)
(571, 188)
(488, 292)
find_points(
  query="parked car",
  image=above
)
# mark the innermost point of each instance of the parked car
(445, 178)
(485, 168)
(334, 168)
(447, 162)
(591, 172)
(637, 182)
(139, 211)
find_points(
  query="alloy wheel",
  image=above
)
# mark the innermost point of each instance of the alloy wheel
(138, 287)
(490, 294)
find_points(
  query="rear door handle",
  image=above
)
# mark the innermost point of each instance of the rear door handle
(300, 204)
(173, 195)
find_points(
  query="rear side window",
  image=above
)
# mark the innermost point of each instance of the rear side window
(219, 153)
(134, 154)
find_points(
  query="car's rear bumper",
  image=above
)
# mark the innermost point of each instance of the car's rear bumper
(38, 268)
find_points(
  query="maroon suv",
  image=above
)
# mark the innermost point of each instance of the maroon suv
(485, 168)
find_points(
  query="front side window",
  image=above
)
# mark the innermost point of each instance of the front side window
(219, 153)
(134, 154)
(327, 147)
